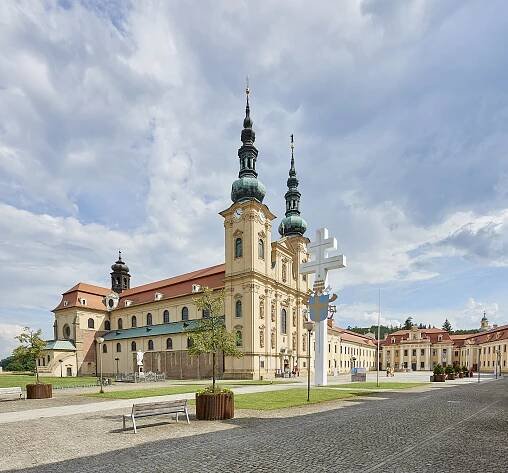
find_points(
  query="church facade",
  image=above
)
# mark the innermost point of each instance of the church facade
(264, 303)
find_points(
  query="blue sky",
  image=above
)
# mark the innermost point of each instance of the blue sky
(120, 122)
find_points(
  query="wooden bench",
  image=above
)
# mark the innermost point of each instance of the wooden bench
(16, 392)
(156, 409)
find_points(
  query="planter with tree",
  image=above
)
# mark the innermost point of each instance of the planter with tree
(465, 371)
(211, 337)
(439, 375)
(458, 371)
(450, 372)
(30, 349)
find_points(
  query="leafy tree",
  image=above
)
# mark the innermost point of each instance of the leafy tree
(408, 323)
(447, 325)
(30, 348)
(211, 336)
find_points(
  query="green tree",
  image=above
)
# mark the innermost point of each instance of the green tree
(30, 348)
(408, 323)
(210, 335)
(447, 325)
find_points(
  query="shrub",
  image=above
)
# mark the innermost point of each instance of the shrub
(457, 369)
(449, 369)
(438, 369)
(464, 369)
(211, 389)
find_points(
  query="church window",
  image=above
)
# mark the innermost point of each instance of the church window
(284, 272)
(261, 309)
(133, 346)
(294, 317)
(239, 341)
(238, 248)
(272, 340)
(169, 343)
(125, 283)
(189, 342)
(261, 338)
(118, 347)
(238, 308)
(66, 331)
(120, 324)
(150, 344)
(104, 348)
(273, 312)
(206, 313)
(283, 321)
(166, 316)
(304, 342)
(261, 249)
(91, 323)
(107, 325)
(134, 321)
(185, 313)
(149, 319)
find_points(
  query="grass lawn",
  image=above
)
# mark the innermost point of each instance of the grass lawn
(146, 392)
(289, 398)
(11, 380)
(372, 385)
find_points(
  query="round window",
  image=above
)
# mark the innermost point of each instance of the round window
(111, 303)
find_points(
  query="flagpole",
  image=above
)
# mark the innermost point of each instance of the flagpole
(378, 335)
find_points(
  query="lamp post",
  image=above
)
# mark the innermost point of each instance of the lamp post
(117, 359)
(498, 363)
(61, 373)
(100, 341)
(309, 325)
(479, 361)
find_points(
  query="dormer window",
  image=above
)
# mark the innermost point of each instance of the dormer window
(65, 303)
(393, 339)
(439, 338)
(127, 303)
(158, 296)
(83, 301)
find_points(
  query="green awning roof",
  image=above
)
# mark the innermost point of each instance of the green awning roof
(151, 330)
(64, 345)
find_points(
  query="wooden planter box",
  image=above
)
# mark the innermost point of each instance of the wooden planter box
(450, 376)
(461, 375)
(215, 406)
(39, 391)
(439, 378)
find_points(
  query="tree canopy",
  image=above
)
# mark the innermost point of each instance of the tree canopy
(30, 348)
(447, 325)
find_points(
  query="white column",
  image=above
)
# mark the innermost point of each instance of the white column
(428, 363)
(449, 353)
(392, 356)
(440, 356)
(320, 373)
(418, 359)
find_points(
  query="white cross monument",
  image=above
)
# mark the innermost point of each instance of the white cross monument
(319, 265)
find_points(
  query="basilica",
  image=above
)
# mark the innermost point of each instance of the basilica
(264, 303)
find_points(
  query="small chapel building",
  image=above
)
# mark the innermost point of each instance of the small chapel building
(265, 298)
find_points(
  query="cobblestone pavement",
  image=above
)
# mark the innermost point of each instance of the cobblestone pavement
(462, 428)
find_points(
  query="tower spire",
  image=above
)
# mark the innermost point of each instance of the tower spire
(247, 186)
(293, 223)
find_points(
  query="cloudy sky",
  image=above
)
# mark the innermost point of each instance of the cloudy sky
(120, 122)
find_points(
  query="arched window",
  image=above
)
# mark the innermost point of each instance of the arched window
(206, 313)
(239, 341)
(104, 348)
(91, 323)
(118, 347)
(189, 342)
(150, 344)
(169, 343)
(238, 308)
(66, 331)
(134, 321)
(283, 321)
(120, 324)
(149, 320)
(185, 313)
(261, 249)
(238, 248)
(133, 346)
(107, 325)
(261, 338)
(165, 316)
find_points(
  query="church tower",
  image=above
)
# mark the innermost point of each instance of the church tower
(120, 277)
(248, 227)
(293, 224)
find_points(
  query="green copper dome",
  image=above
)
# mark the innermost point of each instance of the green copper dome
(292, 225)
(245, 188)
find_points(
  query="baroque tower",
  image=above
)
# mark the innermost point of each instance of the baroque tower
(120, 277)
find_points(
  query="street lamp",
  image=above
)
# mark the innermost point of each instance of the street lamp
(309, 326)
(61, 373)
(100, 341)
